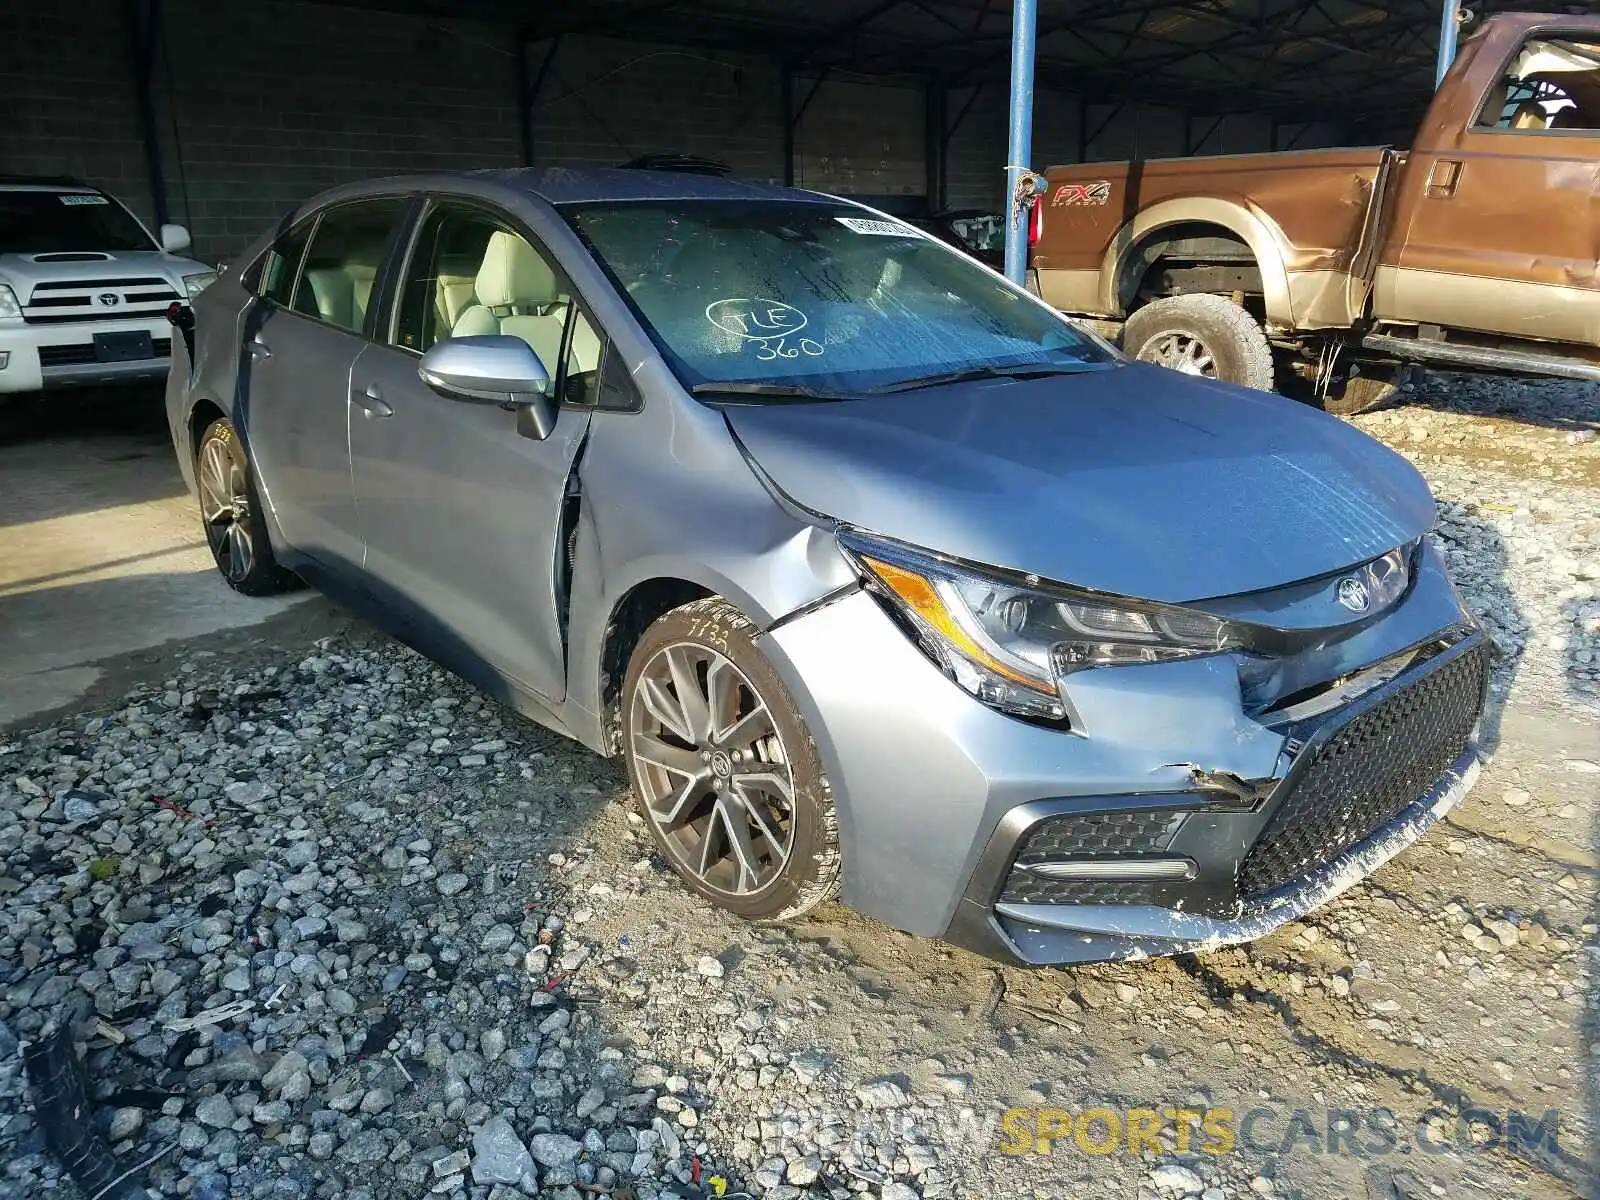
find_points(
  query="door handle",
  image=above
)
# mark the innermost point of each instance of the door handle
(259, 350)
(1443, 177)
(372, 404)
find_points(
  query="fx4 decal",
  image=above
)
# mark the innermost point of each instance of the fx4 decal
(1088, 195)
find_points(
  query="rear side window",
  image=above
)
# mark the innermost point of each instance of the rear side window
(282, 265)
(339, 280)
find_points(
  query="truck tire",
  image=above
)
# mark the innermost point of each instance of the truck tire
(1363, 393)
(1201, 335)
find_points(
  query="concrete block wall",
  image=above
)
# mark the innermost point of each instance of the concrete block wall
(67, 97)
(260, 105)
(267, 103)
(862, 139)
(604, 101)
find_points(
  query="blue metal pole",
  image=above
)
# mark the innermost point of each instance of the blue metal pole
(1449, 27)
(1024, 23)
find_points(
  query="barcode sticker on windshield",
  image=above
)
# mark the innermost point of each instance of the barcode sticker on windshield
(881, 228)
(79, 198)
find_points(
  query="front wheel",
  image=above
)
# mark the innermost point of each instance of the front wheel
(724, 771)
(1204, 335)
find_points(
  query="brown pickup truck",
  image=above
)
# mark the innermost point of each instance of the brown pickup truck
(1330, 272)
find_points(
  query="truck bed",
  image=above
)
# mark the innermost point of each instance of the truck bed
(1307, 219)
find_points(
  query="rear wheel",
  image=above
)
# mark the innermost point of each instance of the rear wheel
(1204, 335)
(1361, 393)
(724, 771)
(231, 513)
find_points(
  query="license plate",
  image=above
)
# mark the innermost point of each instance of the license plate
(123, 347)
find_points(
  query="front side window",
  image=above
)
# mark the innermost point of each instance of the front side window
(1552, 84)
(819, 297)
(47, 222)
(338, 282)
(472, 276)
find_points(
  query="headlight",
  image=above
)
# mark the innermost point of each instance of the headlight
(1009, 643)
(10, 310)
(195, 284)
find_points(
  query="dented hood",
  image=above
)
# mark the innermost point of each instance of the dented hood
(1134, 480)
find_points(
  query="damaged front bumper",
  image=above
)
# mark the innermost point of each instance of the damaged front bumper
(1168, 819)
(1040, 933)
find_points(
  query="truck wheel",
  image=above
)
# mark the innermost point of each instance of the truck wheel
(1201, 335)
(1362, 393)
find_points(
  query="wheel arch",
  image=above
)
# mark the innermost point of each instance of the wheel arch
(634, 611)
(202, 413)
(1128, 256)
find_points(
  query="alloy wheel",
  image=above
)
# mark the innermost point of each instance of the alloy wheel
(712, 767)
(225, 508)
(1180, 352)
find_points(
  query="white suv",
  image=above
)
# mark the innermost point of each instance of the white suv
(84, 288)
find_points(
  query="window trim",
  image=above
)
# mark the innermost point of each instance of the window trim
(310, 226)
(429, 203)
(1475, 126)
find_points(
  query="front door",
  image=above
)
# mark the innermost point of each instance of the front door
(1498, 228)
(461, 514)
(301, 339)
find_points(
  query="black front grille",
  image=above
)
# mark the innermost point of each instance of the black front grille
(1127, 834)
(1367, 773)
(83, 352)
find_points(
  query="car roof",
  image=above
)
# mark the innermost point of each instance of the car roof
(55, 182)
(578, 185)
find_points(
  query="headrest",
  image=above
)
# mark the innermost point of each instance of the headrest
(513, 275)
(1530, 114)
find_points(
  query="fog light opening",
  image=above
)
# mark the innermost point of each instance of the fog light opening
(1125, 868)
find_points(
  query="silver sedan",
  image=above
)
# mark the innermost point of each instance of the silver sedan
(883, 578)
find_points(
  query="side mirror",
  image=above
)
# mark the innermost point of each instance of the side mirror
(494, 369)
(175, 239)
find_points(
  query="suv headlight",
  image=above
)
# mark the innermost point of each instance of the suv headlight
(10, 310)
(1009, 642)
(195, 284)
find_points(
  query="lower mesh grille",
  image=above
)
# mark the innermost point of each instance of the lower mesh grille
(1090, 835)
(1368, 773)
(79, 353)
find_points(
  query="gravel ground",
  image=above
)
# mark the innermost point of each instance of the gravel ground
(467, 974)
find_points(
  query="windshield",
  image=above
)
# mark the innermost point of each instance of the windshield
(823, 298)
(52, 222)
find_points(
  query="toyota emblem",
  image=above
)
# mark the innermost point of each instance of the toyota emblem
(109, 299)
(1353, 594)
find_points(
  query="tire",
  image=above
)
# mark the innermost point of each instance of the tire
(1201, 335)
(1363, 393)
(230, 513)
(692, 783)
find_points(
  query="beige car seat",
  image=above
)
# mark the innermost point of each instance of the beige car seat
(1530, 114)
(341, 294)
(519, 295)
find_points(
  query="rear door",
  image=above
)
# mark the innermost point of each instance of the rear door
(1498, 220)
(301, 338)
(463, 515)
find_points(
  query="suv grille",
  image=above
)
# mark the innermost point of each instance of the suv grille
(85, 300)
(1368, 773)
(83, 352)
